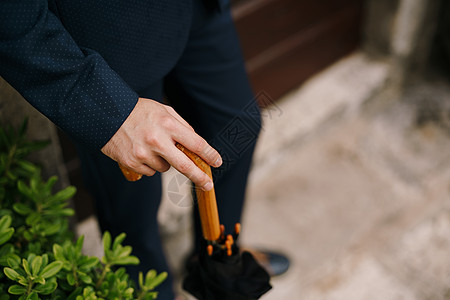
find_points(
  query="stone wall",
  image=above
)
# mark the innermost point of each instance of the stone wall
(13, 110)
(401, 31)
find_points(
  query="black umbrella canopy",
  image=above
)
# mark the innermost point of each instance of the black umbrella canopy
(221, 277)
(221, 271)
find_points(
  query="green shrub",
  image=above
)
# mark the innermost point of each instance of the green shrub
(38, 258)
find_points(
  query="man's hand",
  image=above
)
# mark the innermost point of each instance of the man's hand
(145, 143)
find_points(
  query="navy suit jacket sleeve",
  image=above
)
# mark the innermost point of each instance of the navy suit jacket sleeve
(74, 87)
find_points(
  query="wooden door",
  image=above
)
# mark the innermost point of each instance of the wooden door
(286, 41)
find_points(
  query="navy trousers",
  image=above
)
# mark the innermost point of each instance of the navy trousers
(208, 87)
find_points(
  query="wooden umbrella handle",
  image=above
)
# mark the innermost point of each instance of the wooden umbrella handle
(129, 174)
(207, 205)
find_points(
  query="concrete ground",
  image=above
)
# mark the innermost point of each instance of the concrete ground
(351, 182)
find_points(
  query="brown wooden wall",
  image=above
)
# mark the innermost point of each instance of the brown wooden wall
(286, 41)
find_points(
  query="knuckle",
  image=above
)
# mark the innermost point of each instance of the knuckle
(161, 165)
(140, 153)
(152, 140)
(203, 179)
(185, 168)
(128, 163)
(167, 122)
(165, 168)
(199, 146)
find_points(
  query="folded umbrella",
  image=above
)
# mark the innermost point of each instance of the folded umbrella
(222, 271)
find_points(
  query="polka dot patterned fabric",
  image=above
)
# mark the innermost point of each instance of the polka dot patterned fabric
(82, 71)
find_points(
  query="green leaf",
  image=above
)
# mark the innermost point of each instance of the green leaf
(34, 146)
(22, 209)
(64, 194)
(11, 274)
(30, 257)
(120, 273)
(75, 293)
(44, 259)
(47, 288)
(11, 176)
(85, 278)
(40, 280)
(27, 166)
(50, 183)
(6, 249)
(24, 189)
(128, 260)
(118, 240)
(61, 196)
(33, 218)
(13, 261)
(70, 278)
(79, 244)
(51, 228)
(149, 277)
(32, 296)
(58, 252)
(28, 236)
(128, 293)
(26, 266)
(67, 266)
(36, 265)
(123, 251)
(5, 235)
(5, 222)
(141, 279)
(67, 212)
(34, 184)
(106, 240)
(51, 269)
(4, 259)
(17, 289)
(89, 262)
(158, 280)
(151, 296)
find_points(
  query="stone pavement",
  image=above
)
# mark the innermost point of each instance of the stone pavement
(353, 191)
(362, 209)
(361, 204)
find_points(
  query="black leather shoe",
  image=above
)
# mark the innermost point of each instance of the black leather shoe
(275, 263)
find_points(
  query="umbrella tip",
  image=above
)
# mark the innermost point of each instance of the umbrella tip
(209, 249)
(228, 244)
(237, 228)
(222, 232)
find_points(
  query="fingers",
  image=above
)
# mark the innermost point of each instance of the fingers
(184, 165)
(174, 114)
(195, 143)
(147, 159)
(145, 143)
(145, 170)
(160, 164)
(200, 147)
